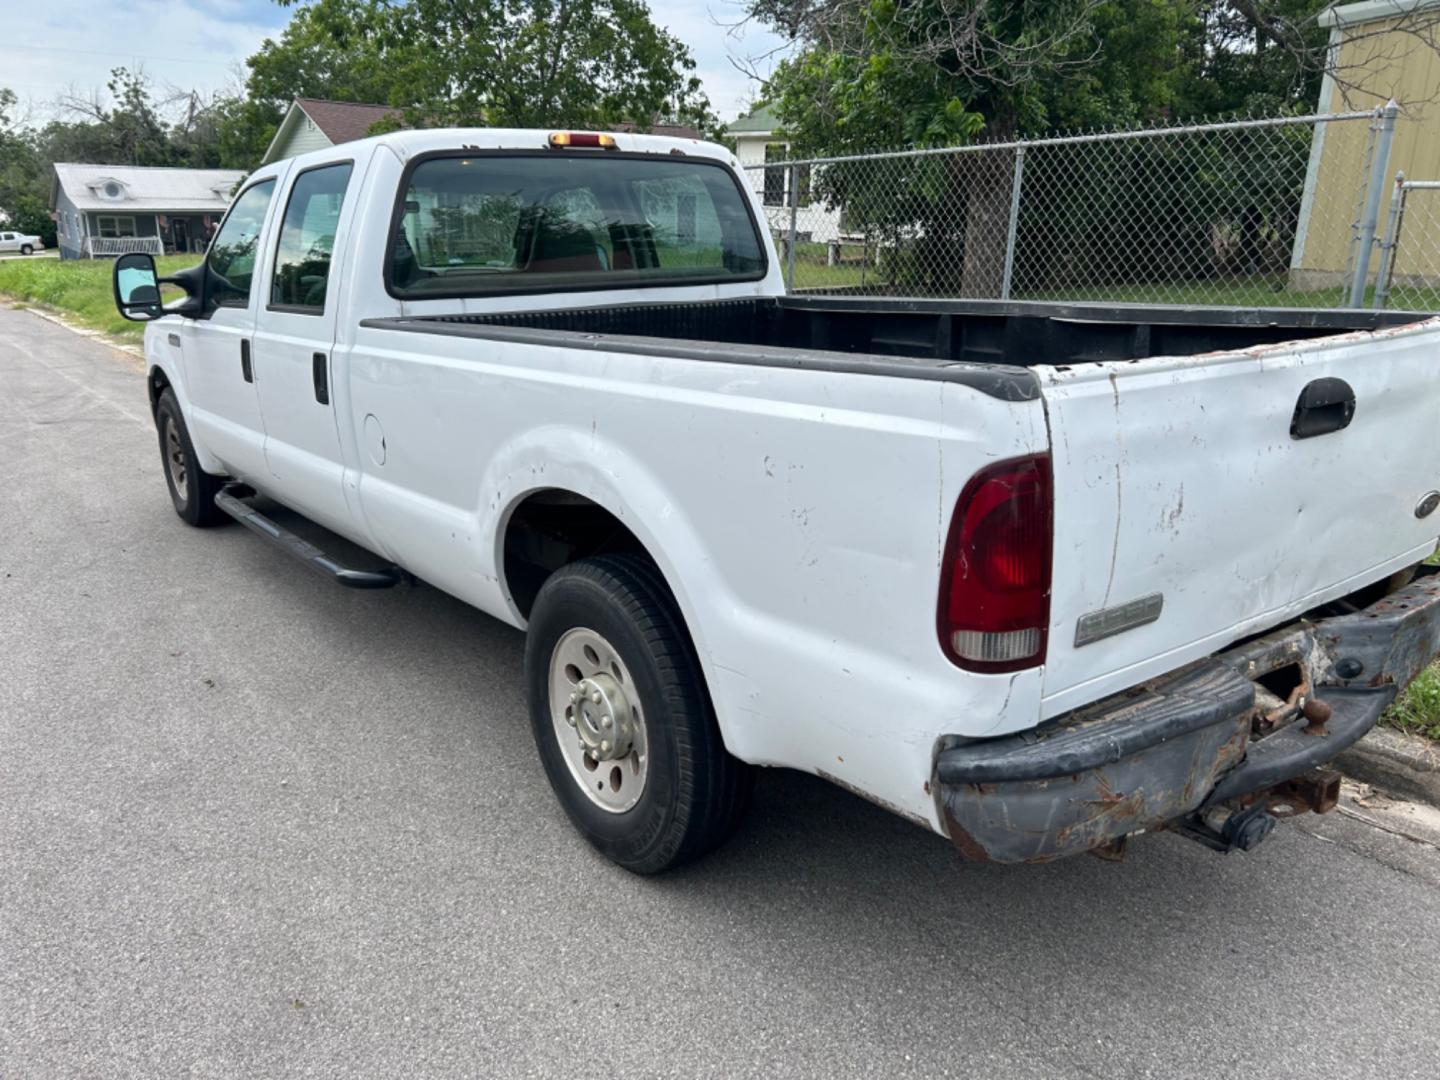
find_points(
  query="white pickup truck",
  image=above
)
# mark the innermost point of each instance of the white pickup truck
(1037, 577)
(21, 242)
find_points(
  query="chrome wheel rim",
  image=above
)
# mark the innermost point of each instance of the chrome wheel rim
(175, 459)
(598, 720)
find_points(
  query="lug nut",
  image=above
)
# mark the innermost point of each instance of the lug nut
(604, 746)
(595, 698)
(607, 722)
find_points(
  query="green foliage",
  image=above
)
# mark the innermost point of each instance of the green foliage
(875, 75)
(502, 63)
(80, 289)
(1256, 56)
(23, 195)
(1136, 77)
(329, 50)
(1215, 205)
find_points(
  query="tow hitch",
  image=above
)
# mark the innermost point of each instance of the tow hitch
(1218, 751)
(1242, 825)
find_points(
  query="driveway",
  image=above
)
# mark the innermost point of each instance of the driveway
(252, 824)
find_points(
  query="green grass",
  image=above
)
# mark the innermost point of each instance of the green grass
(1418, 709)
(811, 271)
(80, 289)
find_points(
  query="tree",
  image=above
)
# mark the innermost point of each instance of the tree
(23, 197)
(521, 63)
(878, 74)
(126, 130)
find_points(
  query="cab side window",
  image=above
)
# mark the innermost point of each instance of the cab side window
(307, 239)
(232, 252)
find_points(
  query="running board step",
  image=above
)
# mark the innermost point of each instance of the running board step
(385, 578)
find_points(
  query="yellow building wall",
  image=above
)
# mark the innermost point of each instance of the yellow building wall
(1386, 63)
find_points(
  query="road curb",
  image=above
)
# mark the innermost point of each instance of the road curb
(1392, 761)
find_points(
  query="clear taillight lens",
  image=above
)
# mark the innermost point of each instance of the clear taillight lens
(995, 580)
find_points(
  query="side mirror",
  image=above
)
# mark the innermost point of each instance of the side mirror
(137, 287)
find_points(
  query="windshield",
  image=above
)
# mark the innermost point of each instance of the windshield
(498, 223)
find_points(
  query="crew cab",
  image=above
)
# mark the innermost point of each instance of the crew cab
(1038, 577)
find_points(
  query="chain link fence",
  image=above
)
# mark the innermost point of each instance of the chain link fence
(1252, 213)
(1410, 271)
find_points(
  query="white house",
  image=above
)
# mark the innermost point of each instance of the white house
(313, 124)
(756, 143)
(105, 210)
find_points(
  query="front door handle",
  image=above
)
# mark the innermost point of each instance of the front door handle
(319, 370)
(245, 369)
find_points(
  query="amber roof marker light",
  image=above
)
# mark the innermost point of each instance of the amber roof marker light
(581, 139)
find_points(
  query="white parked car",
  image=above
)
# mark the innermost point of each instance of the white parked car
(17, 241)
(1038, 577)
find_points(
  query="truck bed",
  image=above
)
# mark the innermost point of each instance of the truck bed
(966, 341)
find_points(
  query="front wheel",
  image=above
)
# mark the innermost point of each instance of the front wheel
(192, 489)
(622, 719)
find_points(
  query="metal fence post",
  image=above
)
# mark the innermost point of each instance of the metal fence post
(794, 211)
(1014, 220)
(1386, 273)
(1370, 219)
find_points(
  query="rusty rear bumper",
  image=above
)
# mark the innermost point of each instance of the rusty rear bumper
(1206, 736)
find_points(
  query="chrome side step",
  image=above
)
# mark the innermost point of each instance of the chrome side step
(228, 500)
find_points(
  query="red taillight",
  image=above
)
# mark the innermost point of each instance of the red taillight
(995, 580)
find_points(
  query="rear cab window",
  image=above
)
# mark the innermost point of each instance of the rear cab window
(489, 223)
(307, 239)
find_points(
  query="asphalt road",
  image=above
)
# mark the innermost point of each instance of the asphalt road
(255, 825)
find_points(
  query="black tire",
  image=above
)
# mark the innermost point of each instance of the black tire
(195, 502)
(26, 249)
(695, 792)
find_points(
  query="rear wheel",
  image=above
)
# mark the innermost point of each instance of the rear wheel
(26, 249)
(622, 719)
(192, 489)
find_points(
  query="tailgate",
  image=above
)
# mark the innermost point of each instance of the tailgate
(1187, 515)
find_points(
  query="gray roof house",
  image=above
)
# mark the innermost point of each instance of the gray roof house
(106, 210)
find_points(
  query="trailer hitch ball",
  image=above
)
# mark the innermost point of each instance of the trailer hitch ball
(1317, 713)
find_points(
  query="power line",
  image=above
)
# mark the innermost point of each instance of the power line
(21, 48)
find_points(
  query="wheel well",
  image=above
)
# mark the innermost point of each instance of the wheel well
(157, 384)
(553, 528)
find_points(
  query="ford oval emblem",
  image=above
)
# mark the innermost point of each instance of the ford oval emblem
(1427, 504)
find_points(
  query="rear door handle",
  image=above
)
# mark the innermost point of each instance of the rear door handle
(319, 370)
(245, 369)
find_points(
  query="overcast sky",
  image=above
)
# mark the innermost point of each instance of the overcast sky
(51, 47)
